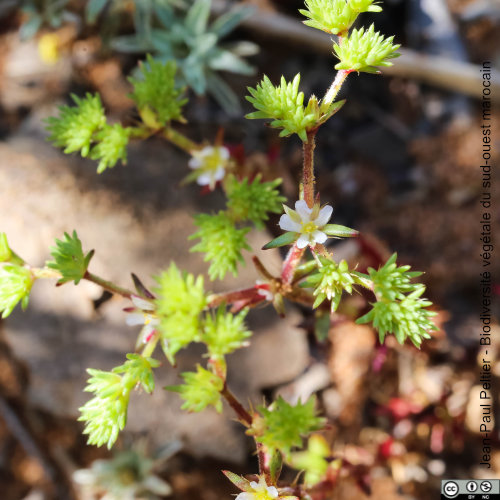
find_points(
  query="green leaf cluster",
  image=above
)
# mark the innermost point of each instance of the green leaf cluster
(399, 308)
(15, 286)
(69, 259)
(179, 303)
(83, 128)
(225, 332)
(221, 241)
(283, 105)
(364, 50)
(330, 280)
(253, 200)
(5, 251)
(105, 415)
(313, 460)
(392, 282)
(111, 147)
(283, 425)
(336, 16)
(200, 389)
(188, 38)
(155, 93)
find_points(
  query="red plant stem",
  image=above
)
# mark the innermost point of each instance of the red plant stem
(291, 262)
(264, 463)
(247, 419)
(308, 169)
(250, 295)
(238, 408)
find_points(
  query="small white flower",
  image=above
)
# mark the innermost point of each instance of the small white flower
(264, 289)
(211, 161)
(261, 491)
(307, 222)
(143, 315)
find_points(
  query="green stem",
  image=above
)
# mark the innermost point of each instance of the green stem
(150, 346)
(180, 140)
(141, 132)
(108, 285)
(46, 273)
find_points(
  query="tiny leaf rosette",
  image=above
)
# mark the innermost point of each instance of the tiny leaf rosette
(200, 389)
(15, 286)
(365, 50)
(156, 94)
(69, 259)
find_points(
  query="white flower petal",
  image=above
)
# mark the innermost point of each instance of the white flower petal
(194, 163)
(141, 303)
(324, 216)
(255, 485)
(204, 180)
(319, 236)
(206, 151)
(303, 210)
(134, 319)
(224, 153)
(272, 491)
(245, 496)
(145, 334)
(218, 174)
(267, 294)
(303, 241)
(287, 224)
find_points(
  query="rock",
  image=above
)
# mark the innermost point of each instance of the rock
(138, 220)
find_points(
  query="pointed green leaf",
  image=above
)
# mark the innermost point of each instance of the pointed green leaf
(285, 239)
(340, 231)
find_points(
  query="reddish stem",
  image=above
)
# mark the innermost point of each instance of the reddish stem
(291, 262)
(238, 408)
(247, 295)
(308, 168)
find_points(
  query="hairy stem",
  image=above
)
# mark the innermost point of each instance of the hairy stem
(180, 140)
(335, 86)
(308, 168)
(291, 262)
(108, 285)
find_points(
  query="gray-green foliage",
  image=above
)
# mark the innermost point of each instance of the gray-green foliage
(195, 44)
(40, 13)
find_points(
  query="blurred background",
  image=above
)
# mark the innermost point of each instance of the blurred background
(400, 163)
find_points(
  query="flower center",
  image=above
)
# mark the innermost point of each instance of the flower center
(213, 161)
(309, 227)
